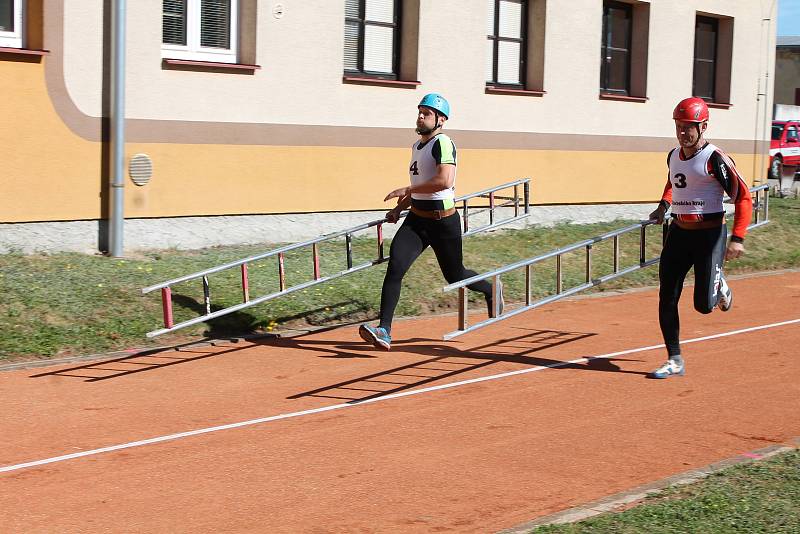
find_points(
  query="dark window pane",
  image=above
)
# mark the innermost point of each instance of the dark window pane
(705, 66)
(777, 130)
(615, 48)
(215, 23)
(618, 71)
(705, 41)
(6, 15)
(703, 80)
(619, 22)
(791, 133)
(174, 22)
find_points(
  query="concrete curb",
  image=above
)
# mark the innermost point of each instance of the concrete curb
(620, 501)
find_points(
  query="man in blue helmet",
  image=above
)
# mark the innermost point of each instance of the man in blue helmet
(433, 219)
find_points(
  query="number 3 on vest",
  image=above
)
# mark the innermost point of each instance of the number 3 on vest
(680, 180)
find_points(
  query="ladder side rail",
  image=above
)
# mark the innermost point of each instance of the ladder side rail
(255, 301)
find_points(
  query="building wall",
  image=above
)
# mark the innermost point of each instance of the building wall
(787, 75)
(293, 138)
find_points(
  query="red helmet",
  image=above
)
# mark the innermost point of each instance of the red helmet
(691, 110)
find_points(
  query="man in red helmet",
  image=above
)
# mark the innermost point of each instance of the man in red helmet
(699, 176)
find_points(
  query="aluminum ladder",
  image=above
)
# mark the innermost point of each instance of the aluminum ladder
(760, 218)
(514, 196)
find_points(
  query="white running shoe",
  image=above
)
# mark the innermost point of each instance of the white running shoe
(671, 368)
(725, 295)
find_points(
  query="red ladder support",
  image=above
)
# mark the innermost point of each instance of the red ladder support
(281, 272)
(166, 305)
(315, 252)
(245, 284)
(380, 241)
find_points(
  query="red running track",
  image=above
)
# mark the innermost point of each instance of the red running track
(477, 456)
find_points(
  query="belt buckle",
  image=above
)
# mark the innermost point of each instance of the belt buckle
(437, 215)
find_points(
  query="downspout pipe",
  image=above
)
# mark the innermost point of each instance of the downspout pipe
(117, 134)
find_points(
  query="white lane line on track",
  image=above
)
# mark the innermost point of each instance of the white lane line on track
(312, 411)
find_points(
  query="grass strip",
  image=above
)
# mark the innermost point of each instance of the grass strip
(759, 497)
(70, 304)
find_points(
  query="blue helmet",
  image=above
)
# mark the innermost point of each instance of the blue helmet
(436, 102)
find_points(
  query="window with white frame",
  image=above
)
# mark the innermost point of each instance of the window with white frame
(200, 30)
(11, 27)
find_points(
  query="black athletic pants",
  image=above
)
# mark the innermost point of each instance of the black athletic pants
(415, 234)
(705, 251)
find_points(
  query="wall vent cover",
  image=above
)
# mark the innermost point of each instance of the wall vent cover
(140, 169)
